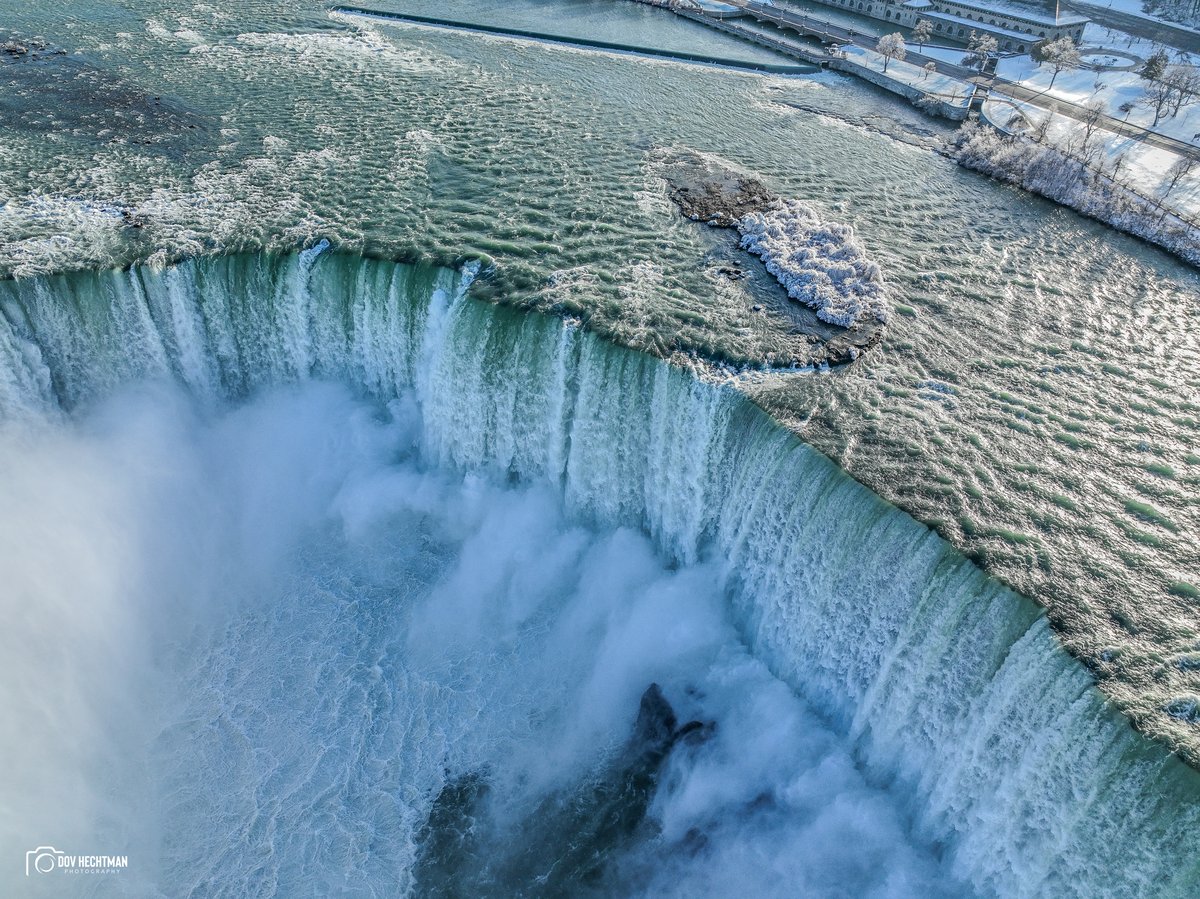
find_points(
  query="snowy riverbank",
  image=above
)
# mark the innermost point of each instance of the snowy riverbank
(1049, 172)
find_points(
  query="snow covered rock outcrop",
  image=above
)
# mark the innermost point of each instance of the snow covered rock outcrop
(819, 263)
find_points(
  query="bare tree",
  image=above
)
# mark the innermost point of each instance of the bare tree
(1158, 96)
(1093, 116)
(1182, 167)
(1017, 122)
(929, 68)
(1186, 82)
(891, 46)
(922, 32)
(1118, 163)
(1059, 54)
(1043, 127)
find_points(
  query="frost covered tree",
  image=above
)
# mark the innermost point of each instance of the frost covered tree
(891, 46)
(929, 68)
(1059, 54)
(1185, 11)
(1155, 66)
(980, 48)
(922, 32)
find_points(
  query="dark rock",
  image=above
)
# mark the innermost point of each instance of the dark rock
(655, 728)
(568, 839)
(707, 191)
(695, 732)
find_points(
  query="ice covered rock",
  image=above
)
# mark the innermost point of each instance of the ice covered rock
(819, 263)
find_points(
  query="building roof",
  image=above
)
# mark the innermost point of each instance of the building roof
(1033, 16)
(971, 25)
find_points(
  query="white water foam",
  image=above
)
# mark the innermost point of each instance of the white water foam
(273, 635)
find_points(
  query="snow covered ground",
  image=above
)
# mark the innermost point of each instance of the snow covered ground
(1142, 167)
(946, 88)
(1112, 88)
(1109, 77)
(1137, 8)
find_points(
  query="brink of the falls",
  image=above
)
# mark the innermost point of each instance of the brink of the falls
(941, 695)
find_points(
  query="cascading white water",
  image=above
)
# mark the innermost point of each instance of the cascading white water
(950, 688)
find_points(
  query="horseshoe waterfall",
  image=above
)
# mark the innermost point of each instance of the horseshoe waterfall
(499, 603)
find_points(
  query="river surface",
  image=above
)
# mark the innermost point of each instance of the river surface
(1035, 400)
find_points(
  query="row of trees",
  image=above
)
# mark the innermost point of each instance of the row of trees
(1061, 54)
(1170, 88)
(1185, 11)
(1175, 91)
(1048, 170)
(892, 46)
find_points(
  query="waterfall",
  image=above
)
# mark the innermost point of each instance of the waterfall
(951, 687)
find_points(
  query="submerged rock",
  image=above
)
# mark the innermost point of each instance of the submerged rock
(566, 842)
(1186, 708)
(46, 88)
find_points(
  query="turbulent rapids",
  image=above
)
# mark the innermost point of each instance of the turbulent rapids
(505, 608)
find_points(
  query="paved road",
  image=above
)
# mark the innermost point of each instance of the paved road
(829, 33)
(1147, 28)
(1015, 91)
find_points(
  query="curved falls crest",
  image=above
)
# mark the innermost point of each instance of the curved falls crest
(951, 688)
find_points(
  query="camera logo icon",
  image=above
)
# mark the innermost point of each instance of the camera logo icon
(42, 860)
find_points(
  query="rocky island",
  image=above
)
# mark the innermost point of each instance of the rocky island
(833, 291)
